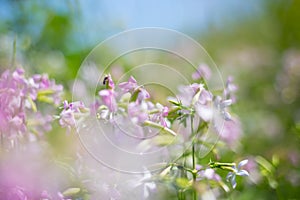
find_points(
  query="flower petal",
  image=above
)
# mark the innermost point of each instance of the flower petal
(242, 173)
(242, 163)
(229, 175)
(233, 181)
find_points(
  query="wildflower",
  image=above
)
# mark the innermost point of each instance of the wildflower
(230, 89)
(203, 105)
(187, 94)
(108, 98)
(71, 112)
(108, 95)
(145, 182)
(237, 172)
(16, 193)
(221, 106)
(208, 173)
(161, 115)
(142, 94)
(39, 123)
(45, 195)
(128, 86)
(45, 89)
(231, 131)
(137, 92)
(203, 71)
(137, 112)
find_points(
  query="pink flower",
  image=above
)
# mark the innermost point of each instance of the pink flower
(203, 71)
(13, 89)
(203, 106)
(137, 112)
(108, 99)
(139, 93)
(15, 193)
(221, 105)
(142, 94)
(230, 90)
(161, 115)
(208, 173)
(231, 131)
(39, 123)
(46, 89)
(70, 112)
(130, 85)
(17, 101)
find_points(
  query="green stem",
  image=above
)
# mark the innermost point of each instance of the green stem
(194, 162)
(160, 127)
(13, 59)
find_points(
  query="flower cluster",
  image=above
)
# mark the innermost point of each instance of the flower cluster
(18, 97)
(131, 102)
(194, 106)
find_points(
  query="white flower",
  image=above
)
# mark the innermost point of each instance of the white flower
(237, 172)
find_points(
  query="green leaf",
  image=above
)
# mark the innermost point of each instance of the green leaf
(183, 183)
(33, 105)
(164, 140)
(174, 103)
(71, 192)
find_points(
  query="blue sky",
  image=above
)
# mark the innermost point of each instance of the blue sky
(97, 20)
(190, 17)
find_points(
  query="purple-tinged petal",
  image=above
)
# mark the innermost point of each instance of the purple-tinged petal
(242, 163)
(203, 71)
(226, 103)
(229, 175)
(143, 94)
(204, 111)
(233, 181)
(242, 173)
(227, 116)
(130, 85)
(108, 98)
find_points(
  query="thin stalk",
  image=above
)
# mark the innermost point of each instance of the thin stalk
(160, 127)
(13, 59)
(193, 158)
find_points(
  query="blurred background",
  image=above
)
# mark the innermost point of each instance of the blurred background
(258, 42)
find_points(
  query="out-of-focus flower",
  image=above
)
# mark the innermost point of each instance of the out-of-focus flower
(203, 71)
(145, 182)
(39, 124)
(13, 89)
(18, 97)
(71, 112)
(203, 106)
(15, 193)
(231, 131)
(45, 89)
(128, 86)
(221, 106)
(45, 195)
(253, 169)
(142, 94)
(108, 98)
(161, 115)
(108, 95)
(138, 93)
(187, 94)
(208, 173)
(237, 172)
(137, 112)
(230, 89)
